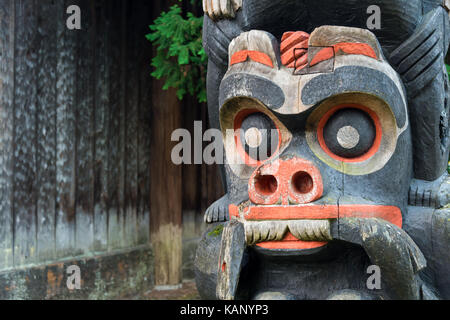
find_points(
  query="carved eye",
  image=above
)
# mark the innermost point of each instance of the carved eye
(349, 133)
(258, 135)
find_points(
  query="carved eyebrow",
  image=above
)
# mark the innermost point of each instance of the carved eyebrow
(252, 86)
(341, 48)
(257, 56)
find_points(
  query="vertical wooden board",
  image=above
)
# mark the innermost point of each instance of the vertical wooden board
(65, 132)
(25, 134)
(165, 188)
(85, 110)
(191, 175)
(144, 129)
(7, 44)
(165, 184)
(46, 130)
(123, 114)
(115, 233)
(132, 118)
(102, 72)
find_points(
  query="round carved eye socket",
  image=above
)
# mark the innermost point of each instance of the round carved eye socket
(259, 136)
(349, 133)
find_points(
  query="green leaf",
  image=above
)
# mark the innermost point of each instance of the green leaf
(180, 57)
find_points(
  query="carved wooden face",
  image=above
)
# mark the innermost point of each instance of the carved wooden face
(314, 129)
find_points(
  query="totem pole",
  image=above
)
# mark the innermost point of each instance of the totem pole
(337, 168)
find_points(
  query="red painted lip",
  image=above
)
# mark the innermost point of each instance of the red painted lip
(391, 214)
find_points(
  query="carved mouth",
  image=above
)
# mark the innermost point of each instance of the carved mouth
(302, 227)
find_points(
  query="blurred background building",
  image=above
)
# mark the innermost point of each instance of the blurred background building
(86, 176)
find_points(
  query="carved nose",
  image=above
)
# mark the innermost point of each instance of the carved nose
(292, 181)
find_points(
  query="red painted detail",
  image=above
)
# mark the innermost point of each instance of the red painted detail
(224, 267)
(299, 212)
(294, 49)
(391, 214)
(257, 56)
(315, 212)
(238, 119)
(345, 47)
(287, 35)
(388, 213)
(322, 55)
(233, 211)
(298, 181)
(378, 137)
(289, 39)
(356, 48)
(297, 51)
(300, 63)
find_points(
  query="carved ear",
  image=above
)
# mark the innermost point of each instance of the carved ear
(256, 46)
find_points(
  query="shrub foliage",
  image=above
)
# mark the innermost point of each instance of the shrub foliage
(180, 57)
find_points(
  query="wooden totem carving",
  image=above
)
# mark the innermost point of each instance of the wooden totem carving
(338, 162)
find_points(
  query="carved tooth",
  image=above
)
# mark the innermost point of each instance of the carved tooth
(264, 232)
(249, 233)
(311, 230)
(261, 231)
(256, 235)
(272, 234)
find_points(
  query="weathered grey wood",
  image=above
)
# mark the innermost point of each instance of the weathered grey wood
(75, 131)
(85, 109)
(101, 23)
(115, 234)
(401, 260)
(230, 260)
(65, 126)
(24, 179)
(131, 116)
(7, 44)
(144, 147)
(46, 131)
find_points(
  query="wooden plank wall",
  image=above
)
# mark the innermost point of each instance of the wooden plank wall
(79, 118)
(75, 129)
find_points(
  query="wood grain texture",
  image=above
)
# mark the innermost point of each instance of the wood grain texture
(85, 113)
(65, 136)
(101, 24)
(115, 233)
(7, 44)
(79, 134)
(130, 147)
(24, 179)
(46, 131)
(144, 133)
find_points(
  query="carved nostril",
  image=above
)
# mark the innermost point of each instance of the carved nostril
(302, 182)
(266, 185)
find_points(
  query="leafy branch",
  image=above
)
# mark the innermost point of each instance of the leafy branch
(180, 57)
